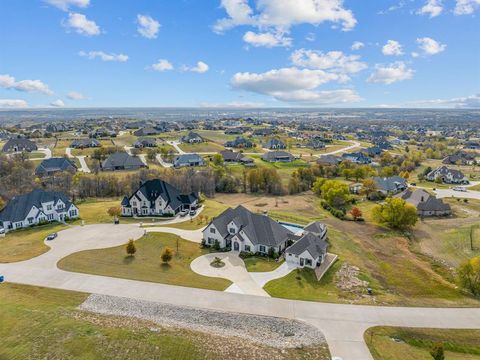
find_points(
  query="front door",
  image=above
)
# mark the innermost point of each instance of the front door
(236, 247)
(301, 261)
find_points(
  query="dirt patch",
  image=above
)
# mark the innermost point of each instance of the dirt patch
(346, 279)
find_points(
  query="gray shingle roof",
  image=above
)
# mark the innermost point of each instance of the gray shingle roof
(19, 144)
(18, 208)
(122, 160)
(55, 165)
(310, 242)
(390, 184)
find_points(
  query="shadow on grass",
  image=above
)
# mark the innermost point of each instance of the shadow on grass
(128, 259)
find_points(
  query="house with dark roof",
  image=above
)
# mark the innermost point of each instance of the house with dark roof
(356, 158)
(459, 158)
(447, 175)
(37, 207)
(146, 131)
(390, 185)
(192, 138)
(185, 160)
(274, 156)
(55, 165)
(230, 157)
(274, 144)
(242, 230)
(426, 204)
(372, 151)
(312, 144)
(328, 160)
(122, 161)
(157, 198)
(18, 145)
(239, 142)
(310, 249)
(85, 143)
(263, 132)
(145, 142)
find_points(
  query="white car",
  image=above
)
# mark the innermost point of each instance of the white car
(459, 188)
(2, 231)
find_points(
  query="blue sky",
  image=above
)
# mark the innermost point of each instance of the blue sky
(240, 53)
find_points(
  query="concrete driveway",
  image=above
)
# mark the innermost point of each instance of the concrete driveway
(190, 235)
(234, 270)
(469, 194)
(261, 278)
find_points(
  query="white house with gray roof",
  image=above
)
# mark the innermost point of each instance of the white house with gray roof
(310, 249)
(243, 230)
(36, 207)
(447, 175)
(157, 198)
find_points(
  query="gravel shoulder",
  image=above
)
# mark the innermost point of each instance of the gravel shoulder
(263, 330)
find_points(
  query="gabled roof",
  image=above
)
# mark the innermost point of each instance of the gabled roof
(54, 165)
(392, 183)
(21, 144)
(423, 200)
(260, 229)
(122, 159)
(18, 208)
(153, 189)
(310, 242)
(273, 155)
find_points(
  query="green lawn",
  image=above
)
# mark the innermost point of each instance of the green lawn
(146, 265)
(201, 147)
(261, 264)
(94, 211)
(35, 155)
(40, 323)
(415, 344)
(25, 244)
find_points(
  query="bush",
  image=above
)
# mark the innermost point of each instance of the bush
(216, 245)
(131, 248)
(167, 255)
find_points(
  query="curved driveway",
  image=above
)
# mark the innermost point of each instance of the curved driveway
(342, 325)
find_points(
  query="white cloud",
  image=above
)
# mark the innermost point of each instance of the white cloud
(388, 74)
(284, 14)
(335, 61)
(432, 8)
(392, 47)
(267, 39)
(430, 46)
(200, 68)
(147, 26)
(162, 65)
(13, 103)
(73, 95)
(472, 101)
(294, 85)
(357, 45)
(310, 37)
(82, 25)
(104, 56)
(66, 4)
(9, 82)
(57, 103)
(466, 7)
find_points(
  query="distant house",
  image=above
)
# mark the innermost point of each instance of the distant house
(85, 143)
(145, 142)
(18, 145)
(55, 165)
(230, 156)
(390, 185)
(185, 160)
(156, 198)
(122, 161)
(447, 176)
(372, 151)
(263, 132)
(312, 144)
(54, 128)
(356, 158)
(282, 156)
(311, 248)
(274, 144)
(355, 188)
(473, 145)
(242, 230)
(426, 204)
(102, 132)
(459, 158)
(36, 207)
(192, 138)
(327, 160)
(238, 130)
(239, 142)
(146, 131)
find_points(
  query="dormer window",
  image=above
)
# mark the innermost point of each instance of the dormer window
(232, 230)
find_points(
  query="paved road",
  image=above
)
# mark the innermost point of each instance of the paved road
(83, 165)
(343, 325)
(175, 145)
(469, 194)
(355, 144)
(163, 163)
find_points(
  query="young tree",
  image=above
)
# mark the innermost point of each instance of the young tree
(356, 213)
(335, 193)
(114, 212)
(167, 255)
(469, 275)
(369, 187)
(437, 352)
(131, 248)
(218, 160)
(396, 213)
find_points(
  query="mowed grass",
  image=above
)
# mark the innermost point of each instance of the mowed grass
(27, 243)
(146, 265)
(40, 323)
(94, 211)
(415, 344)
(201, 147)
(261, 264)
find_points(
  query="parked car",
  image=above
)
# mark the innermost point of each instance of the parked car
(183, 213)
(193, 212)
(52, 236)
(459, 188)
(2, 231)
